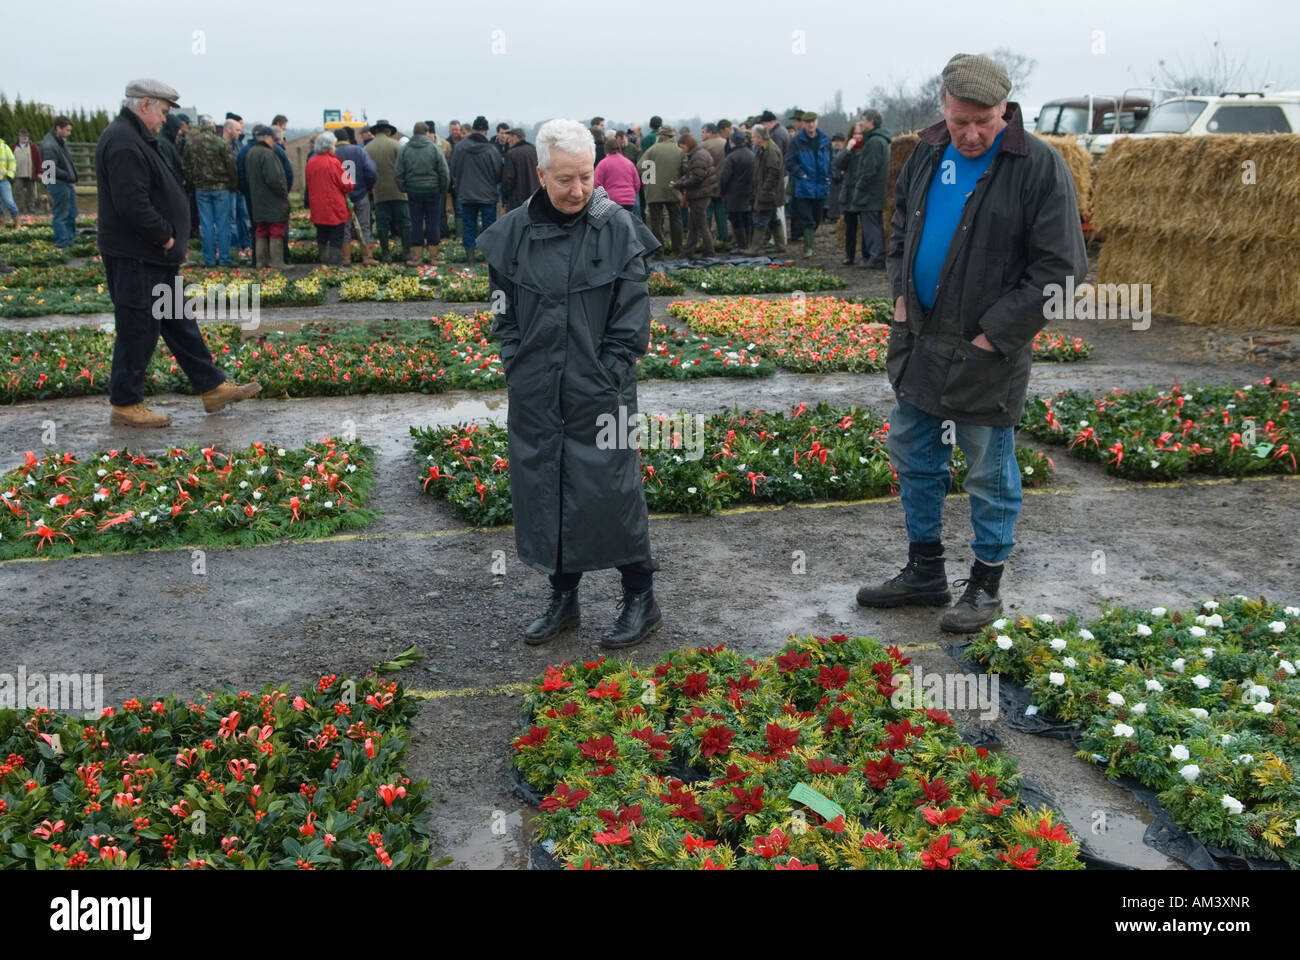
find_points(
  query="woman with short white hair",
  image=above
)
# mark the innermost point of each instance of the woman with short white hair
(328, 187)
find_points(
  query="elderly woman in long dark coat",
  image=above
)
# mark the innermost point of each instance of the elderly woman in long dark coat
(572, 313)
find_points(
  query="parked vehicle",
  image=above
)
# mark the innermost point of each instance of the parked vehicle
(1192, 115)
(1087, 116)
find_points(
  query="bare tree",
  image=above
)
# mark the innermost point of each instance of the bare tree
(1215, 74)
(906, 108)
(1019, 66)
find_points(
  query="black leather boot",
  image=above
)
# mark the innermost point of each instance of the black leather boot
(638, 617)
(923, 581)
(979, 605)
(562, 614)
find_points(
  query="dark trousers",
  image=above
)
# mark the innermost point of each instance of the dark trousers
(699, 228)
(145, 305)
(637, 577)
(655, 221)
(718, 217)
(808, 213)
(742, 225)
(852, 219)
(873, 237)
(426, 220)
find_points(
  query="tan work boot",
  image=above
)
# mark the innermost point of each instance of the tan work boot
(368, 254)
(228, 393)
(347, 255)
(435, 252)
(416, 257)
(138, 415)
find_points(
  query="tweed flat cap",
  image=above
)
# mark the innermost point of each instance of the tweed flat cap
(969, 76)
(154, 90)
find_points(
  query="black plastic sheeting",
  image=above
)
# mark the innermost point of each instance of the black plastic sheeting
(1163, 834)
(703, 263)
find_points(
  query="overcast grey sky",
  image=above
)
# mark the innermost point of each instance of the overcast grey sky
(408, 60)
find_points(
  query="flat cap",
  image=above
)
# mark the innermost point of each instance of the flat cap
(518, 132)
(969, 76)
(666, 132)
(808, 115)
(262, 130)
(154, 90)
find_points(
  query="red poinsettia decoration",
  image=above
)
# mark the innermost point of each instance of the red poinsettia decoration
(563, 797)
(1028, 860)
(940, 854)
(772, 845)
(532, 738)
(716, 742)
(747, 802)
(789, 662)
(832, 678)
(880, 772)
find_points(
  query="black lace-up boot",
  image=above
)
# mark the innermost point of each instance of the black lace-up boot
(923, 581)
(562, 614)
(979, 605)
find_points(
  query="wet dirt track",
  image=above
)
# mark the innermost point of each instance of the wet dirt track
(419, 575)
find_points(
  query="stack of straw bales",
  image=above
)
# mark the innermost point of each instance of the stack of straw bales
(1211, 222)
(1080, 164)
(900, 148)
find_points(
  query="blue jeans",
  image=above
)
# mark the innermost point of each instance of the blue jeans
(918, 453)
(214, 219)
(470, 229)
(239, 231)
(7, 198)
(63, 204)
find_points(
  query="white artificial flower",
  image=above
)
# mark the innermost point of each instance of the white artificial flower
(1119, 663)
(1287, 665)
(1207, 652)
(1190, 772)
(1029, 471)
(280, 452)
(1245, 758)
(1214, 620)
(1139, 708)
(1201, 681)
(104, 458)
(100, 472)
(1046, 618)
(862, 459)
(1226, 739)
(352, 468)
(1179, 752)
(1143, 630)
(1155, 686)
(1231, 804)
(1123, 730)
(329, 504)
(1031, 710)
(1291, 611)
(1115, 698)
(1258, 692)
(1058, 643)
(243, 484)
(1000, 624)
(1277, 626)
(1179, 664)
(1210, 605)
(1086, 634)
(306, 485)
(263, 469)
(1154, 464)
(797, 475)
(690, 490)
(1083, 423)
(1240, 596)
(1056, 679)
(1158, 611)
(257, 494)
(1196, 631)
(1198, 712)
(1004, 642)
(1070, 662)
(1264, 708)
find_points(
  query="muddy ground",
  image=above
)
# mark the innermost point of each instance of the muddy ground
(419, 575)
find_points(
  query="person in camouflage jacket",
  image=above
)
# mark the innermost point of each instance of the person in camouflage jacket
(209, 164)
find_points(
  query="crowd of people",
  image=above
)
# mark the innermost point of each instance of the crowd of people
(751, 185)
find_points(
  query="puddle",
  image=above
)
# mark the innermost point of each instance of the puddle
(493, 840)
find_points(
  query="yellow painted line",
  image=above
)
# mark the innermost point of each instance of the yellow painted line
(1117, 487)
(908, 648)
(471, 691)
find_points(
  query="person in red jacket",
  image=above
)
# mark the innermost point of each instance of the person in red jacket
(328, 187)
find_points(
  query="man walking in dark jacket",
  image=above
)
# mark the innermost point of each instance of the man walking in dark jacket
(476, 171)
(143, 228)
(519, 172)
(63, 185)
(268, 199)
(575, 316)
(808, 162)
(985, 220)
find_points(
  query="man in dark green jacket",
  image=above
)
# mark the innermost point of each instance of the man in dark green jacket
(268, 192)
(769, 191)
(869, 190)
(421, 173)
(985, 224)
